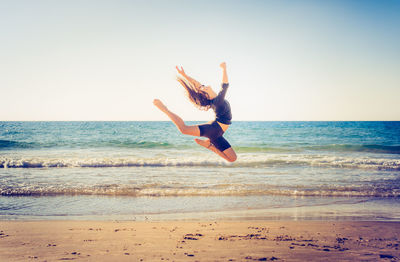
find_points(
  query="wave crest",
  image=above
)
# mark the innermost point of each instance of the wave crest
(227, 190)
(246, 160)
(8, 144)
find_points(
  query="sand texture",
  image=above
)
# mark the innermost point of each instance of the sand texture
(199, 241)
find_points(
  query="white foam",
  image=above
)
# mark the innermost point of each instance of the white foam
(230, 190)
(244, 160)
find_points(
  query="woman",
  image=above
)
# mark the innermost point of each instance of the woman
(205, 98)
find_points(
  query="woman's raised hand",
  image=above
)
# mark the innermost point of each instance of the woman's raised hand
(223, 65)
(181, 71)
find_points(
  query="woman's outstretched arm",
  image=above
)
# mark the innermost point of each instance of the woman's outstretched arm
(195, 83)
(225, 84)
(224, 73)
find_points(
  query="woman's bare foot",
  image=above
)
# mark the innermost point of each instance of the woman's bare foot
(160, 105)
(204, 143)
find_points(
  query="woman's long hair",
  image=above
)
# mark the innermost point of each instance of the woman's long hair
(198, 97)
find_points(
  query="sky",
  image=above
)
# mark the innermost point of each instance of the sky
(286, 60)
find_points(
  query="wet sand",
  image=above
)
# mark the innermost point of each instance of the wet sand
(199, 241)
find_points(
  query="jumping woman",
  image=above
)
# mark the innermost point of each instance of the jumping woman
(205, 98)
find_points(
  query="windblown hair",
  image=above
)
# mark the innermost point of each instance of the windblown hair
(198, 97)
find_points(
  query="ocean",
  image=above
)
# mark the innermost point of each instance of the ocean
(149, 171)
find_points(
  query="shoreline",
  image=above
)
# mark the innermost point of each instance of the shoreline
(321, 213)
(206, 240)
(184, 209)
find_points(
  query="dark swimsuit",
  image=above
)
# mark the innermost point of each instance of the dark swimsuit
(223, 115)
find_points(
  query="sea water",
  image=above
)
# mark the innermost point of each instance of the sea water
(148, 170)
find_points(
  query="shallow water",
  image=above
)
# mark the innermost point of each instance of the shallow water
(131, 169)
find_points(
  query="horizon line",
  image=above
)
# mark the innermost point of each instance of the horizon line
(199, 121)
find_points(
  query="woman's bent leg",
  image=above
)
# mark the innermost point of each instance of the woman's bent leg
(184, 129)
(228, 154)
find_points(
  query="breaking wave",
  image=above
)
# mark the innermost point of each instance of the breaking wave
(245, 160)
(161, 190)
(10, 144)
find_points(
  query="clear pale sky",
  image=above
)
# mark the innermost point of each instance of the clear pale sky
(286, 60)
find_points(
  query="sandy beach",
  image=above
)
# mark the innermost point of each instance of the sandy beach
(199, 241)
